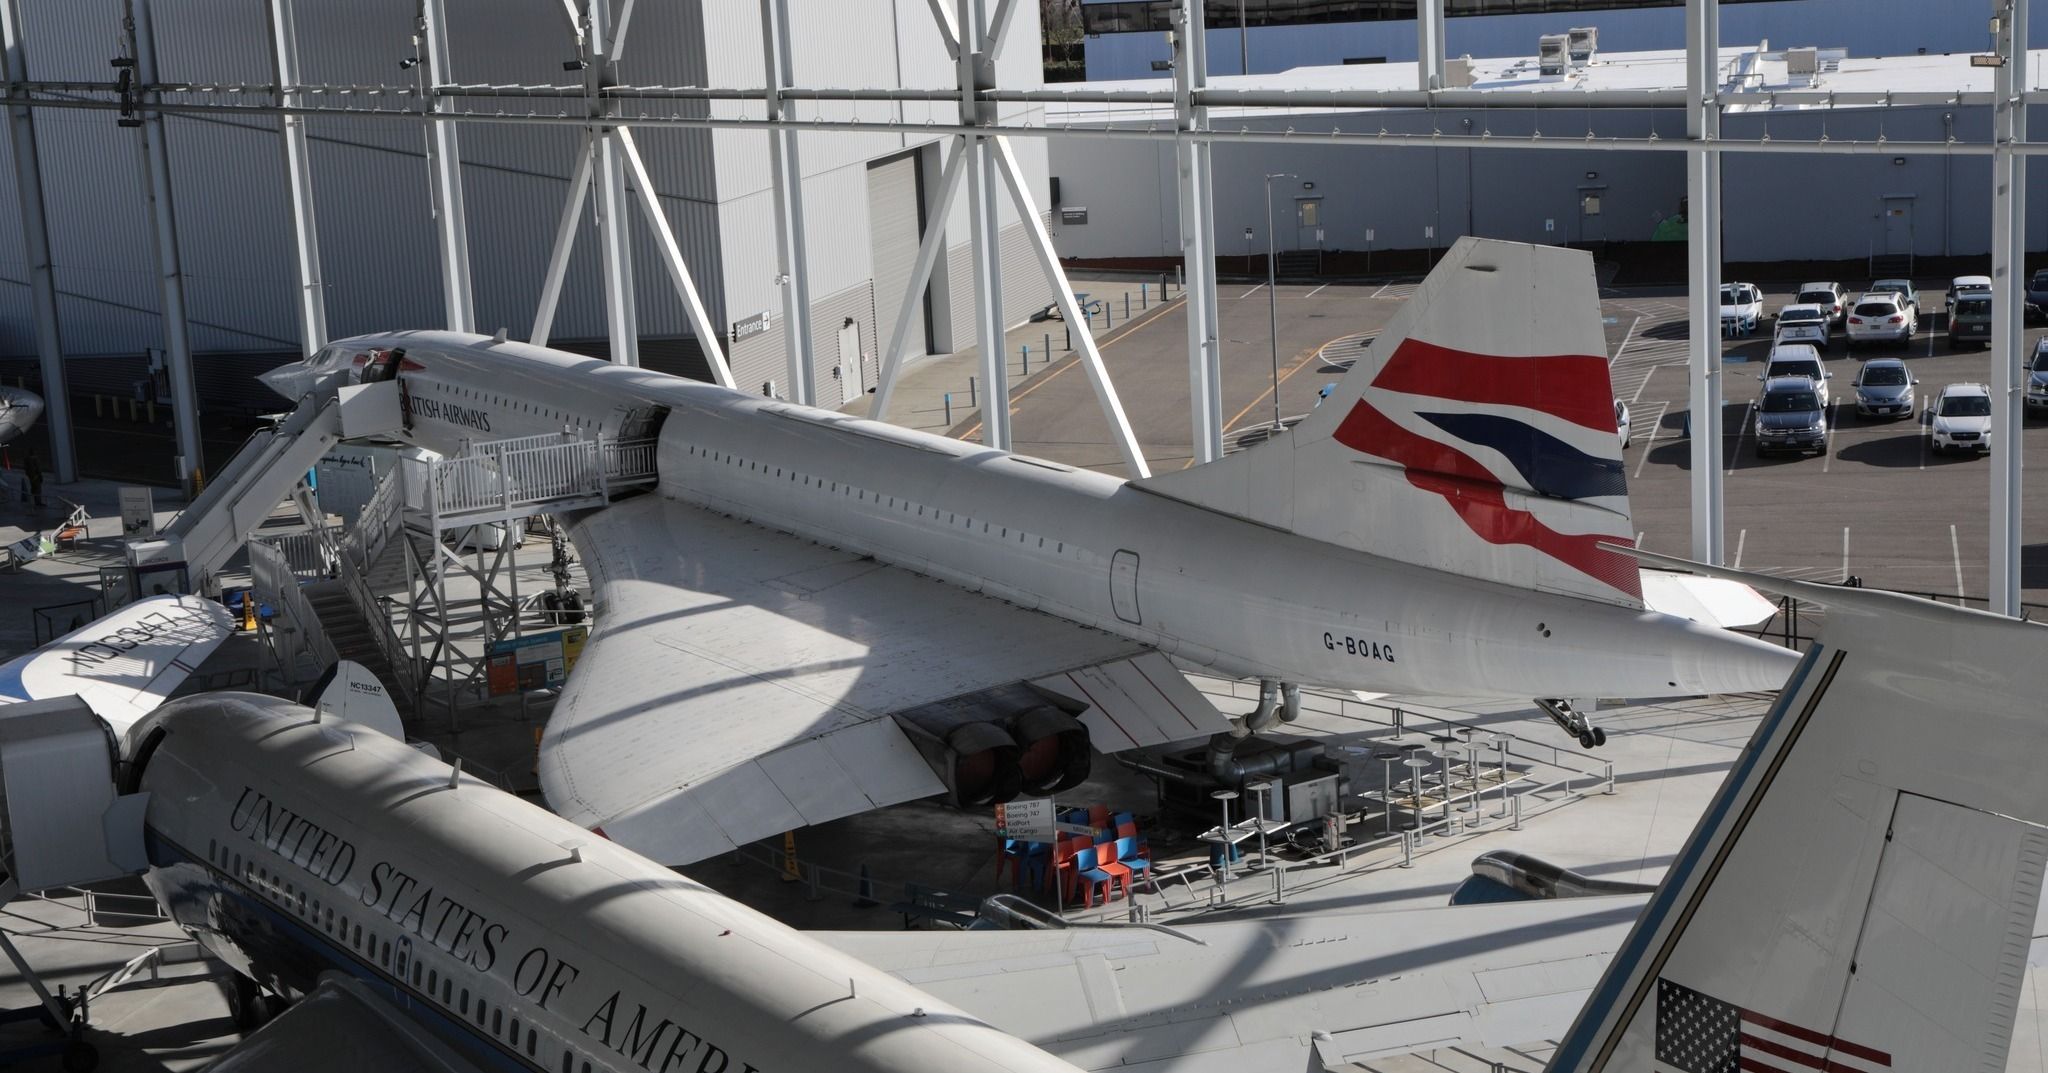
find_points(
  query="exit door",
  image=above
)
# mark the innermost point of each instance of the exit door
(1123, 586)
(1308, 223)
(852, 377)
(1898, 225)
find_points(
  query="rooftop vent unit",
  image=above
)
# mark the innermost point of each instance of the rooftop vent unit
(1458, 72)
(1552, 54)
(1585, 44)
(1802, 63)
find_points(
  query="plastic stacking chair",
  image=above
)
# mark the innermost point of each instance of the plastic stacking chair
(1064, 874)
(1110, 860)
(1093, 877)
(1127, 856)
(1012, 855)
(1122, 818)
(1126, 829)
(1098, 816)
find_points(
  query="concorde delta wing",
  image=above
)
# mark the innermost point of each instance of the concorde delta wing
(1297, 993)
(743, 682)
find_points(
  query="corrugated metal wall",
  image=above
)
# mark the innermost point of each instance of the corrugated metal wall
(371, 185)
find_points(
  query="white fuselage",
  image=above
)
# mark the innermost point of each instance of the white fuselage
(292, 848)
(19, 409)
(1208, 588)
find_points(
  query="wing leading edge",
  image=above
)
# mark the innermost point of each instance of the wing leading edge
(744, 682)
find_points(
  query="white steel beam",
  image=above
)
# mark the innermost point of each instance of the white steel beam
(976, 72)
(2008, 379)
(444, 176)
(928, 250)
(615, 250)
(1703, 263)
(1197, 238)
(708, 335)
(786, 183)
(1429, 44)
(1063, 294)
(949, 34)
(565, 243)
(35, 233)
(999, 24)
(156, 164)
(298, 170)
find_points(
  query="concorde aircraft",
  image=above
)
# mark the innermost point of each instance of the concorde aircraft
(1858, 896)
(818, 614)
(19, 409)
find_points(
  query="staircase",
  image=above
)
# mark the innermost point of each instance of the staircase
(353, 637)
(1299, 264)
(1891, 266)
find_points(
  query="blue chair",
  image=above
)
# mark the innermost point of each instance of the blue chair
(1124, 818)
(1094, 876)
(1037, 858)
(1127, 854)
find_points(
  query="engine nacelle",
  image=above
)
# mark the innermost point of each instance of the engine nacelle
(976, 761)
(1053, 751)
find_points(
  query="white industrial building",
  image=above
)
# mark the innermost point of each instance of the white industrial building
(864, 194)
(1118, 195)
(1126, 38)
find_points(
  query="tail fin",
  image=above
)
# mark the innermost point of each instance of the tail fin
(1477, 436)
(1860, 894)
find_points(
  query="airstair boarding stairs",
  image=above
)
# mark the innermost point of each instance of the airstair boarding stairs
(424, 581)
(219, 522)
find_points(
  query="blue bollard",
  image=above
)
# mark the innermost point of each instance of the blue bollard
(1127, 305)
(949, 409)
(1144, 295)
(1026, 348)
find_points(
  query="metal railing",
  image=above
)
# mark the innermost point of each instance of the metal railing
(628, 461)
(308, 555)
(491, 478)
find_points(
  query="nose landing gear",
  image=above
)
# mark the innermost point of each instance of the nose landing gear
(1573, 721)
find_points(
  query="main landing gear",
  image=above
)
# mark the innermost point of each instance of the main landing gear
(1573, 721)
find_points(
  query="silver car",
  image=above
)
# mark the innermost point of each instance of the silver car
(1884, 389)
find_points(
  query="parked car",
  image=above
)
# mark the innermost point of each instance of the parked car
(1791, 416)
(2037, 294)
(1798, 359)
(1882, 317)
(2037, 376)
(1884, 389)
(1904, 289)
(1962, 418)
(1621, 428)
(1742, 308)
(1805, 323)
(1969, 319)
(1827, 295)
(1966, 286)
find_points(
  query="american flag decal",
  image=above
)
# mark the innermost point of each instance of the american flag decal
(1697, 1033)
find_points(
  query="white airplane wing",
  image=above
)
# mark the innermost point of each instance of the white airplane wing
(743, 682)
(342, 1027)
(1299, 993)
(124, 664)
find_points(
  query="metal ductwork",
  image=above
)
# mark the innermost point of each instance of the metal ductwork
(1054, 753)
(1223, 762)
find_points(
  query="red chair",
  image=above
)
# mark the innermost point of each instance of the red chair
(1107, 861)
(1089, 872)
(1063, 871)
(1127, 829)
(1098, 816)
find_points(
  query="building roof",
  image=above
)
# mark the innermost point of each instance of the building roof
(1759, 70)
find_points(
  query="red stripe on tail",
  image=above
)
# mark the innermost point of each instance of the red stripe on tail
(1479, 500)
(1572, 387)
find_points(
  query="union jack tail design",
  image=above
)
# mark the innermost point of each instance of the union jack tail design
(1477, 436)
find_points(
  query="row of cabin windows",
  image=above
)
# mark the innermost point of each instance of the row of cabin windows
(861, 494)
(424, 980)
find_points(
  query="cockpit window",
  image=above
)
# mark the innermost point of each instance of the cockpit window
(383, 366)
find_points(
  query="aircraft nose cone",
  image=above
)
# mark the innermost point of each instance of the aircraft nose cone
(290, 380)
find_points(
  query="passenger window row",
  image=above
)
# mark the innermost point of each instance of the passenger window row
(887, 502)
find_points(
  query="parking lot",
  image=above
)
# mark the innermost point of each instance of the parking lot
(1881, 505)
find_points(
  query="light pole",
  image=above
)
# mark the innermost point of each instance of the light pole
(1247, 251)
(1272, 299)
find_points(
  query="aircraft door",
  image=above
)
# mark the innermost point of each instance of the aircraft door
(401, 960)
(1123, 586)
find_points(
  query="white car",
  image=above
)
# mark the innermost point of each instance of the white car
(1742, 307)
(1799, 359)
(1827, 295)
(1621, 427)
(1882, 317)
(1803, 324)
(1962, 418)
